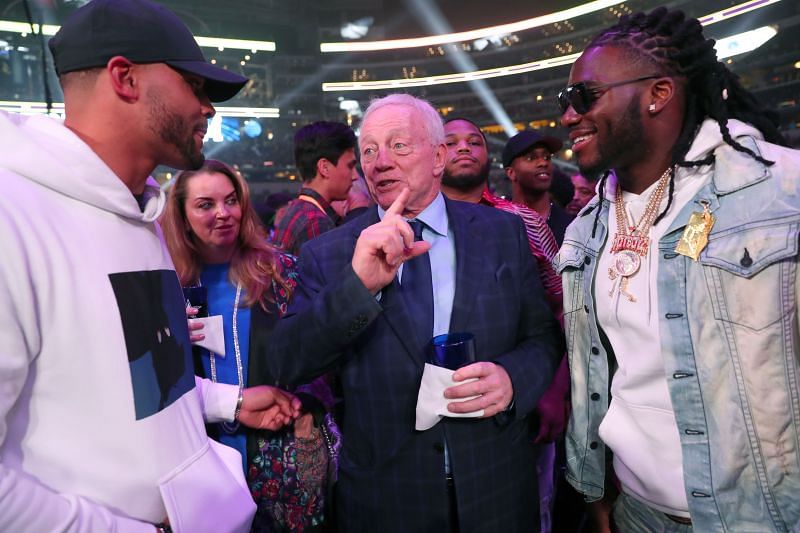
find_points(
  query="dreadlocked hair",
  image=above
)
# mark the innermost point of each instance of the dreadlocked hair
(675, 46)
(602, 193)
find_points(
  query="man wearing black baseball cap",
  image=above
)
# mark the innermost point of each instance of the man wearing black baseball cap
(101, 418)
(527, 160)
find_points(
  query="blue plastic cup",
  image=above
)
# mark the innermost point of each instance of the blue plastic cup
(452, 350)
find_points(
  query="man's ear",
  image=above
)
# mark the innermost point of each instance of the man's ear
(661, 92)
(124, 77)
(439, 159)
(323, 167)
(512, 175)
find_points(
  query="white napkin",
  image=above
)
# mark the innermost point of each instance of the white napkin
(215, 336)
(431, 403)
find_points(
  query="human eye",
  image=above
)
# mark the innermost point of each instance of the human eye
(232, 200)
(205, 204)
(401, 147)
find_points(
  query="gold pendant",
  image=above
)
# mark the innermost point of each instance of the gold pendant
(635, 243)
(627, 263)
(623, 285)
(695, 235)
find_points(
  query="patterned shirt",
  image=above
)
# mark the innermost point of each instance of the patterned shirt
(541, 241)
(303, 220)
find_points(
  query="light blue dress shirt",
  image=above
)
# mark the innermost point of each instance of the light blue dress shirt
(443, 261)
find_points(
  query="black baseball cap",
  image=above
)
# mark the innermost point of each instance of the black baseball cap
(142, 32)
(524, 141)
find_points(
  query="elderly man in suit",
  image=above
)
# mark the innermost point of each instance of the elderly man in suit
(353, 311)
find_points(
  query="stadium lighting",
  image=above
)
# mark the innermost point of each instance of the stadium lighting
(541, 64)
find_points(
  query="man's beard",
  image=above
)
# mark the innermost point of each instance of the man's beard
(626, 134)
(466, 182)
(175, 131)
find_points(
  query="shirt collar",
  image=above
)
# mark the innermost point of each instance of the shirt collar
(322, 202)
(434, 216)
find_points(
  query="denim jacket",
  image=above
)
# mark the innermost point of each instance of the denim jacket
(730, 345)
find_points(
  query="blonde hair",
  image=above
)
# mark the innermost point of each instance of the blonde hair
(254, 263)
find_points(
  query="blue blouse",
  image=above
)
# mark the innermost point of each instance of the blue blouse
(221, 296)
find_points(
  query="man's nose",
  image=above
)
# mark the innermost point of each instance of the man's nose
(384, 159)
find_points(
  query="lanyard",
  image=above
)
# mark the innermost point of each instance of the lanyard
(311, 200)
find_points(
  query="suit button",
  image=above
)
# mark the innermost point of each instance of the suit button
(439, 447)
(595, 351)
(593, 445)
(595, 396)
(587, 260)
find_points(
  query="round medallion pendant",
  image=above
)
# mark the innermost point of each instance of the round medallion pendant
(627, 262)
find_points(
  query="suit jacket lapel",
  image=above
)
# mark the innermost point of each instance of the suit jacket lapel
(395, 312)
(468, 265)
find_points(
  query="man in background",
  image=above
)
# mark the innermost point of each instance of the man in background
(584, 191)
(465, 178)
(527, 158)
(325, 157)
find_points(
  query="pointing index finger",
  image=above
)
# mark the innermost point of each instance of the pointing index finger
(399, 204)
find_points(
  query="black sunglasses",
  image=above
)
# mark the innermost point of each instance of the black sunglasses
(581, 97)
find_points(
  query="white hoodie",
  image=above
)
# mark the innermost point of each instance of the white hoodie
(97, 433)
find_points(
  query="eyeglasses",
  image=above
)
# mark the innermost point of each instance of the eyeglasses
(581, 97)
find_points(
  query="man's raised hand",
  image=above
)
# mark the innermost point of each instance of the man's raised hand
(383, 247)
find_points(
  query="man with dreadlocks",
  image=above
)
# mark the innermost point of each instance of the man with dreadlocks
(680, 288)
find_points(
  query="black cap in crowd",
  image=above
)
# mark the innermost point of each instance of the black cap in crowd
(142, 32)
(524, 141)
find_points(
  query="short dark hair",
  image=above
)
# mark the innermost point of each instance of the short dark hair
(321, 140)
(468, 121)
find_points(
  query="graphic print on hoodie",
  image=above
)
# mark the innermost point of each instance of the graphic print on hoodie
(154, 323)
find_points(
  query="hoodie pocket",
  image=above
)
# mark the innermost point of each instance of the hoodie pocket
(208, 493)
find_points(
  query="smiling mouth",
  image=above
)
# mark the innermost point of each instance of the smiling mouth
(579, 141)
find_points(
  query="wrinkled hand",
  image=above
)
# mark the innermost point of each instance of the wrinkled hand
(383, 247)
(194, 326)
(493, 388)
(266, 407)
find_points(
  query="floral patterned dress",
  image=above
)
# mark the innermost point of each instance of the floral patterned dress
(288, 476)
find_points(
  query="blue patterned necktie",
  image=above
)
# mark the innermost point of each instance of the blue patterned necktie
(417, 285)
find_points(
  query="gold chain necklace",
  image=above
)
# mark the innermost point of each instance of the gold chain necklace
(631, 243)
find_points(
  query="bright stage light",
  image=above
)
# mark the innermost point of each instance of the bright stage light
(482, 33)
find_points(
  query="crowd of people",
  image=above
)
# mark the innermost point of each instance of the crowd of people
(403, 349)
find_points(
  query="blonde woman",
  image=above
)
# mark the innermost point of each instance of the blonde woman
(217, 241)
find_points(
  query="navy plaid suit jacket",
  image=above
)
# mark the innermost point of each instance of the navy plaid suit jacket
(392, 477)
